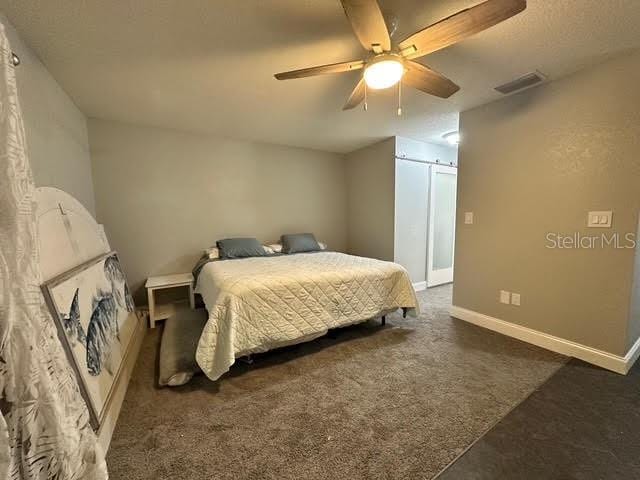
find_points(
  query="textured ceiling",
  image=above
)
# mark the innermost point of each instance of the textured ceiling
(207, 66)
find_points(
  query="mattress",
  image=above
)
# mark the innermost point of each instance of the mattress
(258, 304)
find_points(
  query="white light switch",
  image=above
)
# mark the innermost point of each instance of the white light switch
(600, 219)
(505, 297)
(468, 218)
(515, 299)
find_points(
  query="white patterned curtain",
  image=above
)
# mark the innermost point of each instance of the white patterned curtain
(44, 427)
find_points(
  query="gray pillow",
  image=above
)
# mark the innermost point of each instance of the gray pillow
(240, 248)
(300, 242)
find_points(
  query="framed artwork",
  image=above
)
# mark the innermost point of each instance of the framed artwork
(96, 319)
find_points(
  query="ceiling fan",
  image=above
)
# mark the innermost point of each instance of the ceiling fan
(388, 65)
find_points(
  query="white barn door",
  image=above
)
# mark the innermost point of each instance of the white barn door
(442, 225)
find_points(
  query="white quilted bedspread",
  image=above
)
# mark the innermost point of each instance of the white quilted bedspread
(257, 304)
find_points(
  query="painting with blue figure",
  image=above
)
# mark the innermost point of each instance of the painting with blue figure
(115, 275)
(102, 335)
(71, 322)
(96, 319)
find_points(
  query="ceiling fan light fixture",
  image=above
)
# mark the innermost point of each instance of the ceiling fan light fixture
(383, 72)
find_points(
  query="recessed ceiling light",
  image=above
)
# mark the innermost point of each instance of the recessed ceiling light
(452, 137)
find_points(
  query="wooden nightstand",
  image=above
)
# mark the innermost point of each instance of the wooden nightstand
(162, 312)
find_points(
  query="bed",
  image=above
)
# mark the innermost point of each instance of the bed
(261, 303)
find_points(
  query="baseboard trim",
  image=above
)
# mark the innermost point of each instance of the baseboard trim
(603, 359)
(419, 286)
(632, 355)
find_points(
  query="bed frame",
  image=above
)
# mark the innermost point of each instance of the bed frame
(383, 319)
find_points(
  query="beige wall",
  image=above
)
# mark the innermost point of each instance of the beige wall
(56, 131)
(371, 190)
(535, 163)
(164, 195)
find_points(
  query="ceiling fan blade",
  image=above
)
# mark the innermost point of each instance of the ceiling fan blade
(321, 70)
(356, 96)
(368, 24)
(427, 80)
(459, 26)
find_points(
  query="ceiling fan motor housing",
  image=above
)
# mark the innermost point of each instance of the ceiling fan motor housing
(384, 57)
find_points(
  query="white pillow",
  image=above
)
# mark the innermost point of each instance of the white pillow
(212, 252)
(275, 247)
(268, 249)
(178, 379)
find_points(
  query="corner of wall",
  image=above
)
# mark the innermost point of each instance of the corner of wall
(633, 327)
(370, 199)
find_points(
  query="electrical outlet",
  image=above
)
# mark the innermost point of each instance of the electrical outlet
(505, 297)
(515, 299)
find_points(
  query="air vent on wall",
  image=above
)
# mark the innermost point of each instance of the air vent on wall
(526, 81)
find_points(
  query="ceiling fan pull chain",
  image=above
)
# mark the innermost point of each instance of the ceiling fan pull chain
(365, 96)
(399, 98)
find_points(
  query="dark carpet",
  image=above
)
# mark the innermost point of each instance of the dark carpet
(394, 402)
(583, 424)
